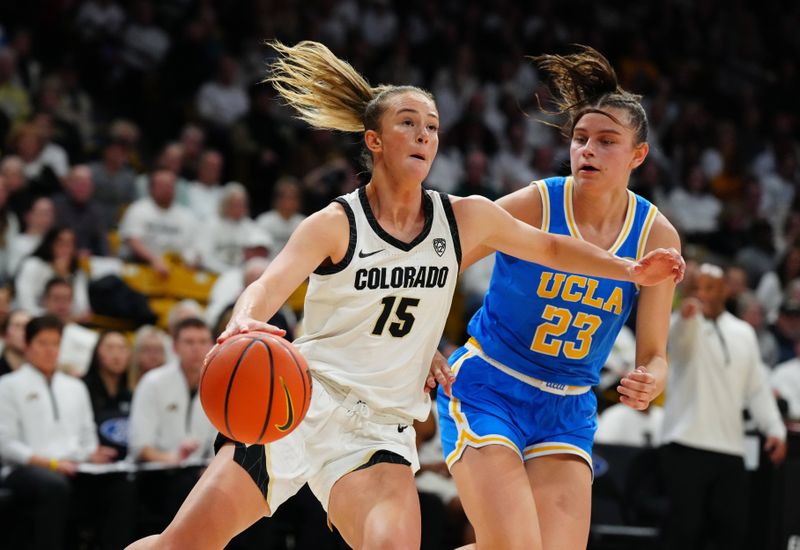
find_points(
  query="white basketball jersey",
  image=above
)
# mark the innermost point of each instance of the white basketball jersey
(373, 321)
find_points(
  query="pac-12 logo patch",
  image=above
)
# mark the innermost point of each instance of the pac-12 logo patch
(439, 245)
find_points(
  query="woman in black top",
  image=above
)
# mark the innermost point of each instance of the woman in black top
(108, 389)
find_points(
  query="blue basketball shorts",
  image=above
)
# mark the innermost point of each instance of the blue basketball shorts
(490, 407)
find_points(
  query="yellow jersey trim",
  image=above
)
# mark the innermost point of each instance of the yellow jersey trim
(645, 234)
(572, 225)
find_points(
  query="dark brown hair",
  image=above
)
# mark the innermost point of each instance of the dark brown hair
(585, 82)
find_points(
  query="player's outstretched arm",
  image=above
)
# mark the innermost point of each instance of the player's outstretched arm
(321, 236)
(639, 387)
(482, 222)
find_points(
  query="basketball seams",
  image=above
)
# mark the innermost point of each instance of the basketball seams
(271, 387)
(230, 385)
(232, 393)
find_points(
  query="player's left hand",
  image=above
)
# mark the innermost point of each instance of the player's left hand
(637, 389)
(776, 449)
(440, 372)
(658, 266)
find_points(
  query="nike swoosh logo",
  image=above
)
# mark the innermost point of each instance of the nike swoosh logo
(401, 428)
(361, 253)
(289, 409)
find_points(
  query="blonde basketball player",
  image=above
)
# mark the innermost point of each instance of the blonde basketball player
(383, 263)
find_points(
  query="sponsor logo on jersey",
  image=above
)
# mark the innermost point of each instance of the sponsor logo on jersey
(401, 277)
(362, 254)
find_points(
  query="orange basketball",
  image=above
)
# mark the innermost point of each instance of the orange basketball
(256, 388)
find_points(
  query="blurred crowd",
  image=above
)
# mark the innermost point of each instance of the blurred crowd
(139, 131)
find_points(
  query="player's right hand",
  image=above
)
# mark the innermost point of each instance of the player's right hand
(242, 325)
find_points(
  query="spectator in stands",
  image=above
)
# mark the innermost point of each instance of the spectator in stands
(46, 432)
(20, 196)
(170, 158)
(6, 302)
(149, 352)
(231, 284)
(193, 139)
(9, 229)
(185, 309)
(226, 236)
(28, 142)
(107, 381)
(15, 102)
(476, 181)
(757, 257)
(77, 342)
(693, 208)
(750, 310)
(39, 220)
(223, 100)
(622, 425)
(53, 154)
(13, 331)
(772, 286)
(77, 209)
(97, 19)
(154, 226)
(167, 422)
(512, 166)
(786, 328)
(284, 217)
(716, 371)
(56, 256)
(114, 182)
(205, 193)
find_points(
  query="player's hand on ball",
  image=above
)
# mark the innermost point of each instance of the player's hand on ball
(657, 266)
(637, 389)
(240, 324)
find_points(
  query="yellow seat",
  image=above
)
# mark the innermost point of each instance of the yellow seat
(184, 282)
(145, 279)
(161, 307)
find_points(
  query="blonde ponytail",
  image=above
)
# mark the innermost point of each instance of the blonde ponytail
(326, 91)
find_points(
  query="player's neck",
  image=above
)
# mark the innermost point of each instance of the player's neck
(397, 208)
(601, 209)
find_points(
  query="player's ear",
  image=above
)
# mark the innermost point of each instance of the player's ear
(373, 141)
(639, 154)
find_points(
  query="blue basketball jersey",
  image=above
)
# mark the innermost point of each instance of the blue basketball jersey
(558, 326)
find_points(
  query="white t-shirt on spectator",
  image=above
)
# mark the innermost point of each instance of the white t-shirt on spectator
(163, 230)
(220, 104)
(33, 276)
(278, 228)
(223, 243)
(203, 201)
(694, 213)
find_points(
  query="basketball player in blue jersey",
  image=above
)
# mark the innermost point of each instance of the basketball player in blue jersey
(518, 428)
(382, 262)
